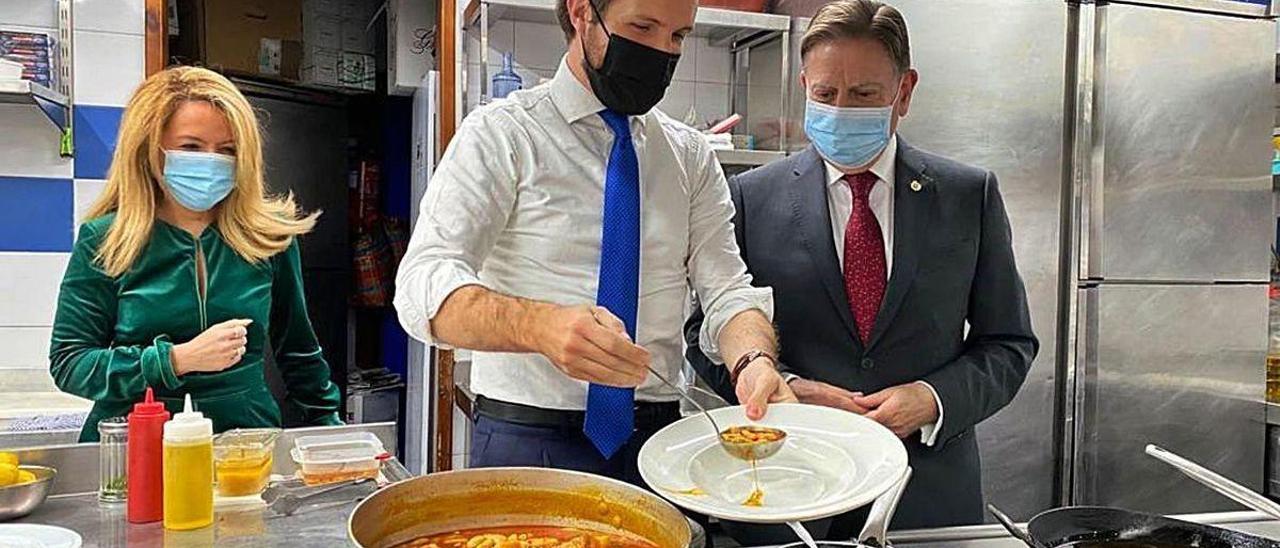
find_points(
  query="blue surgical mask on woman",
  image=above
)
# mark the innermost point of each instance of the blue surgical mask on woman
(199, 180)
(849, 137)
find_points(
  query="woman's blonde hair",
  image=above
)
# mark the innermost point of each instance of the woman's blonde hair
(253, 223)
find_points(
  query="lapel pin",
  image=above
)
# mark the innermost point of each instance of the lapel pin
(916, 186)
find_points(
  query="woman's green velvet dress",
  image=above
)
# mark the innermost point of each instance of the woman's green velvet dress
(113, 337)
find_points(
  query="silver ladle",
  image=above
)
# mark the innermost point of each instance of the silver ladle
(748, 451)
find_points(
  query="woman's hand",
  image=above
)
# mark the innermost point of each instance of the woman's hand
(218, 348)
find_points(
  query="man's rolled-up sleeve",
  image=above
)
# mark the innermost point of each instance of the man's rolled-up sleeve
(465, 208)
(716, 270)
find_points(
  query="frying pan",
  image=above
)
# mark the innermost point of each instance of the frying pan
(1064, 527)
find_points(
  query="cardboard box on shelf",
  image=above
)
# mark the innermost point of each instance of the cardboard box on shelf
(322, 31)
(320, 67)
(410, 45)
(229, 35)
(322, 7)
(281, 58)
(357, 71)
(358, 9)
(356, 36)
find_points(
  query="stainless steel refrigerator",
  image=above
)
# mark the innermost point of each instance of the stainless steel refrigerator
(1171, 225)
(1131, 142)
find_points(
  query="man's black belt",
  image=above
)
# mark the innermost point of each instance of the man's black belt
(649, 415)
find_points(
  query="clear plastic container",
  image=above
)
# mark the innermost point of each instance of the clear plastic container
(242, 460)
(337, 457)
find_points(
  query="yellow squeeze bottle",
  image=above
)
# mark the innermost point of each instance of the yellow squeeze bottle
(188, 470)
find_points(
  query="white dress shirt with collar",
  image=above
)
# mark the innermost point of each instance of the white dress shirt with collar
(840, 203)
(516, 206)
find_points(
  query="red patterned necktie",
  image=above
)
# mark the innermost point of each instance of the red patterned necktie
(864, 260)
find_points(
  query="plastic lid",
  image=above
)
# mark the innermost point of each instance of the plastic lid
(247, 438)
(337, 448)
(189, 424)
(148, 406)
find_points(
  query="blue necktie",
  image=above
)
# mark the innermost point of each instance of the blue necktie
(611, 411)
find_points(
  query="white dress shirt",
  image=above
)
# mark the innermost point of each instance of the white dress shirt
(840, 202)
(516, 206)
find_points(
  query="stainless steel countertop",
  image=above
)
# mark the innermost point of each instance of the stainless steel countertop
(994, 536)
(1273, 413)
(77, 464)
(104, 525)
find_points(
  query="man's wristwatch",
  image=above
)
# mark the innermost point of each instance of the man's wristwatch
(746, 360)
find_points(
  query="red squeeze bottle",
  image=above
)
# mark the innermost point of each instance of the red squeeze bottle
(146, 475)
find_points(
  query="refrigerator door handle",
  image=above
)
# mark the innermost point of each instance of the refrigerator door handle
(1083, 418)
(1093, 155)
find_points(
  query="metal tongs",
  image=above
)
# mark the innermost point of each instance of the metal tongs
(287, 497)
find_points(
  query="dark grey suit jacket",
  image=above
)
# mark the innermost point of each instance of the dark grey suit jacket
(952, 263)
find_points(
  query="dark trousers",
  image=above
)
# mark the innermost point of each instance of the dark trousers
(500, 443)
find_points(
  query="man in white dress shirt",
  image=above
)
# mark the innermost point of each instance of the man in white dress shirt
(559, 238)
(879, 254)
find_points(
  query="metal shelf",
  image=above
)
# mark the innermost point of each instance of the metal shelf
(709, 21)
(22, 92)
(748, 157)
(739, 30)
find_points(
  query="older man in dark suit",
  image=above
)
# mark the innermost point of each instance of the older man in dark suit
(880, 255)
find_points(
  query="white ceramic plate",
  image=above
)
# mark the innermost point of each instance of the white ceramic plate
(23, 535)
(832, 462)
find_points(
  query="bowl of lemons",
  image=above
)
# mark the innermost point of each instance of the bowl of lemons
(22, 486)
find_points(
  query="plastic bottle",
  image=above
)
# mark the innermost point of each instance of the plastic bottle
(506, 80)
(145, 476)
(188, 470)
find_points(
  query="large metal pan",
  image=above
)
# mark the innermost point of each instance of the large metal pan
(468, 499)
(1088, 526)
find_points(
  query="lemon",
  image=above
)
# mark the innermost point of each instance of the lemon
(8, 458)
(8, 474)
(25, 477)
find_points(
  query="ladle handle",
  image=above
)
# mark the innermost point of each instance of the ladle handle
(1217, 482)
(1011, 527)
(684, 394)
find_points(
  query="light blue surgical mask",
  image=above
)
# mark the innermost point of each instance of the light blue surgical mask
(199, 180)
(849, 137)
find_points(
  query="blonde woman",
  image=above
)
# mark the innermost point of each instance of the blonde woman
(185, 271)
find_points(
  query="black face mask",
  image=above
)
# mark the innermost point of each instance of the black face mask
(633, 77)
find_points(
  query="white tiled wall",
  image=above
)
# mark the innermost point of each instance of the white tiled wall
(29, 144)
(701, 81)
(86, 191)
(29, 288)
(108, 65)
(28, 13)
(104, 76)
(117, 16)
